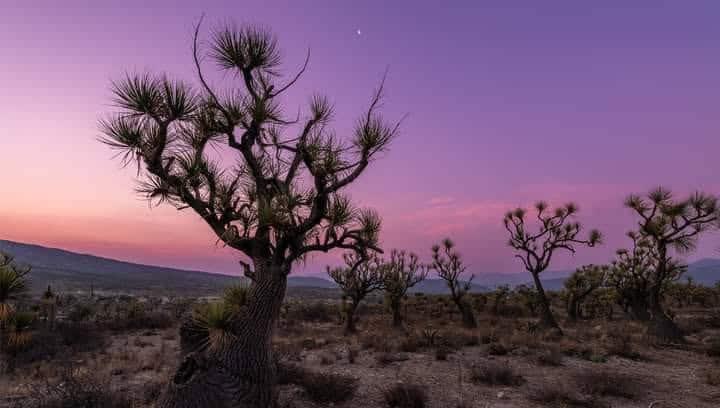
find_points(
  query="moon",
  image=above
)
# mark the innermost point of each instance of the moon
(358, 32)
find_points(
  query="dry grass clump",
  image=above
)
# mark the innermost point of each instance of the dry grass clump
(603, 383)
(712, 376)
(319, 387)
(406, 396)
(552, 357)
(560, 396)
(493, 373)
(77, 390)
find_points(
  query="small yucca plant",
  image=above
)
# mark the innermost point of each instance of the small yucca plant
(209, 327)
(236, 296)
(19, 334)
(13, 283)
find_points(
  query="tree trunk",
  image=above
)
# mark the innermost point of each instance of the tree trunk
(639, 310)
(239, 372)
(350, 318)
(468, 317)
(396, 305)
(660, 325)
(572, 308)
(547, 320)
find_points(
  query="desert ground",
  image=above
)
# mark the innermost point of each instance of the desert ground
(117, 351)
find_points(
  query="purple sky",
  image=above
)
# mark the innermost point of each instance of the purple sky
(508, 102)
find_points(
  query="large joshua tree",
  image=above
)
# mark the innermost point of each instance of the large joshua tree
(449, 266)
(556, 231)
(269, 187)
(670, 224)
(360, 276)
(401, 273)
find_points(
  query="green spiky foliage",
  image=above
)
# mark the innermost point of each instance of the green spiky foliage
(557, 230)
(500, 296)
(18, 334)
(361, 275)
(236, 296)
(14, 282)
(403, 271)
(210, 327)
(277, 196)
(448, 264)
(670, 225)
(528, 297)
(580, 285)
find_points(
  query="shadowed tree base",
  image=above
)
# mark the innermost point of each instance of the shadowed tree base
(662, 327)
(200, 382)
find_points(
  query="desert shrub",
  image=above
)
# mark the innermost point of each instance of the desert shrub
(497, 349)
(327, 387)
(459, 339)
(493, 373)
(560, 396)
(81, 336)
(619, 343)
(389, 358)
(552, 357)
(312, 312)
(352, 355)
(81, 312)
(406, 396)
(409, 344)
(142, 321)
(713, 349)
(712, 376)
(605, 383)
(442, 353)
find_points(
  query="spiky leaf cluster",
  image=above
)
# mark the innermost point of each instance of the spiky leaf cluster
(585, 280)
(674, 223)
(281, 197)
(556, 230)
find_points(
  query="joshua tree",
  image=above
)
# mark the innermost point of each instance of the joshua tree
(670, 224)
(278, 199)
(556, 231)
(401, 273)
(361, 276)
(582, 284)
(449, 266)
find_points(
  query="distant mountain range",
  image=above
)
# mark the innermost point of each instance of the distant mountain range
(69, 271)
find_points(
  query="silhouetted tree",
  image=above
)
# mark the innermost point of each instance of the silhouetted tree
(556, 231)
(276, 196)
(360, 276)
(582, 284)
(670, 224)
(401, 273)
(449, 266)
